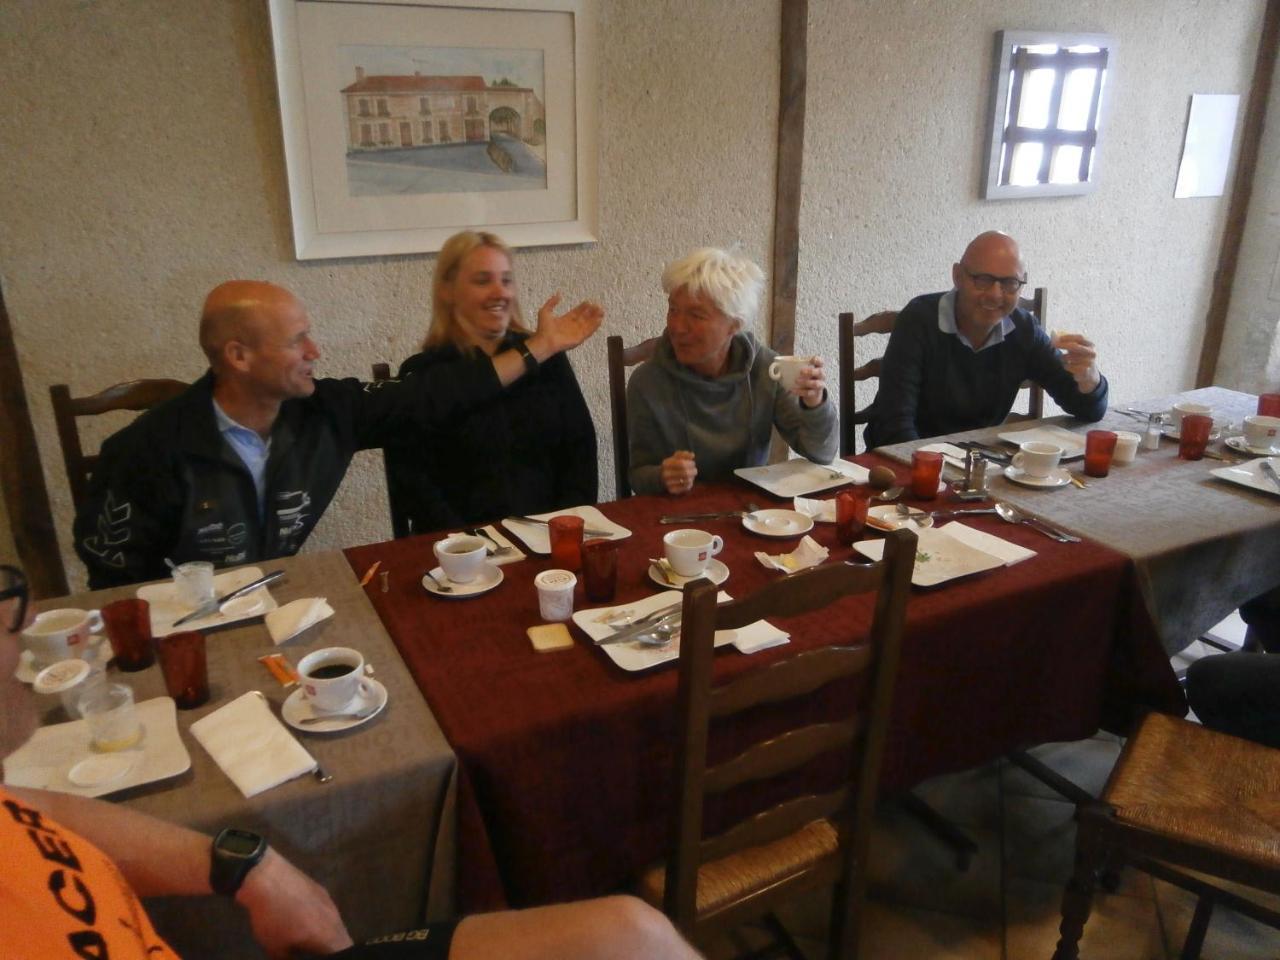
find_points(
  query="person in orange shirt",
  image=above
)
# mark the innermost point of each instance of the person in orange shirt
(74, 869)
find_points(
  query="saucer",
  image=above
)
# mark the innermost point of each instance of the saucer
(296, 709)
(245, 606)
(490, 576)
(777, 523)
(886, 517)
(716, 572)
(1059, 477)
(1237, 443)
(26, 670)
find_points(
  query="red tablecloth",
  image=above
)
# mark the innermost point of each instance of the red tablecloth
(566, 758)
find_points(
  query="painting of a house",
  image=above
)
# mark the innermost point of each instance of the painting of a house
(441, 131)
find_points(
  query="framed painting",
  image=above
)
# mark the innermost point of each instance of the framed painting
(406, 122)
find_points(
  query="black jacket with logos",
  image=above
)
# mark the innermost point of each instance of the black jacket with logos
(169, 485)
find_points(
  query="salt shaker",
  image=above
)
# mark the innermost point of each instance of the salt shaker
(1155, 430)
(975, 476)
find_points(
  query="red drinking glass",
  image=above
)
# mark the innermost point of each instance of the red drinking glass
(128, 626)
(1099, 448)
(185, 668)
(851, 513)
(926, 470)
(600, 569)
(1269, 405)
(1194, 436)
(565, 534)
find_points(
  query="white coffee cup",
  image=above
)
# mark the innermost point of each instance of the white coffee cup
(689, 551)
(1262, 432)
(61, 634)
(1126, 447)
(332, 677)
(193, 583)
(786, 369)
(1037, 459)
(555, 594)
(1186, 408)
(461, 557)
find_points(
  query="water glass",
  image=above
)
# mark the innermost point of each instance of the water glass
(851, 513)
(600, 569)
(110, 715)
(1194, 436)
(128, 625)
(185, 668)
(1099, 447)
(926, 471)
(565, 534)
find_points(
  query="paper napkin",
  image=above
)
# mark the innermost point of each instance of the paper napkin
(809, 553)
(505, 556)
(820, 511)
(1010, 553)
(285, 623)
(251, 746)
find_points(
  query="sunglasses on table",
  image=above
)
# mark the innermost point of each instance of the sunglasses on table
(14, 584)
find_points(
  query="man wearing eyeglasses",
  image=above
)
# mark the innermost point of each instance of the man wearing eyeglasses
(956, 360)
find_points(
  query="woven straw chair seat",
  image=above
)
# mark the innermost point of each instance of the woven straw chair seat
(1189, 783)
(724, 881)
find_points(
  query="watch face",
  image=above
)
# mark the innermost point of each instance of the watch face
(239, 843)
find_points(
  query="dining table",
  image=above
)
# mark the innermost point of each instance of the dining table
(566, 758)
(1201, 545)
(378, 836)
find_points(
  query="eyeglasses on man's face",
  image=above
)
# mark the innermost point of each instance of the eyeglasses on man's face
(14, 584)
(985, 281)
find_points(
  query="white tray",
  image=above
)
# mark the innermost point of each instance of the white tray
(537, 539)
(165, 607)
(1250, 475)
(1072, 444)
(939, 557)
(44, 761)
(798, 477)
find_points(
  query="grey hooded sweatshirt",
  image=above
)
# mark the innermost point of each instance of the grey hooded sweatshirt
(726, 421)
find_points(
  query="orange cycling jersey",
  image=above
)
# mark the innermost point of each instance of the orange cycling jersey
(60, 896)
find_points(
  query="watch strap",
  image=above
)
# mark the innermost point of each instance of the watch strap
(233, 855)
(530, 361)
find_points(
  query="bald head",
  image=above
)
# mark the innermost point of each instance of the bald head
(995, 253)
(241, 310)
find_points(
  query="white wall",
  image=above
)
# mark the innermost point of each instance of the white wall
(142, 146)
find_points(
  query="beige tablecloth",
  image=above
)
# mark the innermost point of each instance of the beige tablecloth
(379, 836)
(1202, 546)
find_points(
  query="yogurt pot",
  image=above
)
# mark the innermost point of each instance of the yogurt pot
(68, 680)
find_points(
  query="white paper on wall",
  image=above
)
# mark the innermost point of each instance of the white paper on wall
(1206, 151)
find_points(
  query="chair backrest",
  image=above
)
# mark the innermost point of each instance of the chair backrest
(861, 731)
(1036, 305)
(620, 358)
(851, 374)
(399, 522)
(134, 395)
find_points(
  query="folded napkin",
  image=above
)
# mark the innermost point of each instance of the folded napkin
(251, 746)
(809, 553)
(504, 556)
(285, 623)
(1010, 553)
(820, 511)
(754, 637)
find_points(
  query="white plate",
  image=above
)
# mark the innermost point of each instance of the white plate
(939, 557)
(634, 656)
(716, 572)
(99, 655)
(1237, 443)
(297, 708)
(490, 576)
(886, 517)
(166, 608)
(1250, 475)
(1058, 477)
(537, 539)
(797, 477)
(778, 523)
(46, 760)
(1072, 444)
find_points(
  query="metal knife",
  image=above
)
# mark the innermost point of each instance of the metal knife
(587, 531)
(1270, 471)
(690, 517)
(644, 624)
(213, 606)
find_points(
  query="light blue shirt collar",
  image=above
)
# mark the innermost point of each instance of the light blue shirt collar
(252, 450)
(947, 323)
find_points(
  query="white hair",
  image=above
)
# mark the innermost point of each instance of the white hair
(733, 282)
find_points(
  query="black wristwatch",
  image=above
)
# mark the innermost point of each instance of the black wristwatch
(530, 361)
(234, 854)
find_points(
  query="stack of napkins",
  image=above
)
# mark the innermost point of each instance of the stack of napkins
(809, 553)
(251, 746)
(285, 623)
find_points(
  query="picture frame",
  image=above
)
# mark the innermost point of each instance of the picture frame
(406, 122)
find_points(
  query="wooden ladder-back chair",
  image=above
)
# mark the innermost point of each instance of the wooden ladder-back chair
(1182, 797)
(851, 373)
(399, 522)
(710, 885)
(620, 358)
(134, 395)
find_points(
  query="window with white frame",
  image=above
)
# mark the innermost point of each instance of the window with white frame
(1047, 111)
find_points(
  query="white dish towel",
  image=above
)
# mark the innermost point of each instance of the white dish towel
(251, 746)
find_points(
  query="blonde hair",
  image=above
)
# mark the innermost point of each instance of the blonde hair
(733, 282)
(444, 326)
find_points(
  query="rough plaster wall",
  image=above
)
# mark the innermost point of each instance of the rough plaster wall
(897, 119)
(1250, 358)
(164, 174)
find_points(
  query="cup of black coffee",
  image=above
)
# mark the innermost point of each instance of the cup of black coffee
(332, 677)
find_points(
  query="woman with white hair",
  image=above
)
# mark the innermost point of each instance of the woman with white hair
(705, 404)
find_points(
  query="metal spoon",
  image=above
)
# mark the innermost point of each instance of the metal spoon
(1011, 514)
(888, 496)
(661, 636)
(440, 584)
(494, 549)
(325, 718)
(919, 518)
